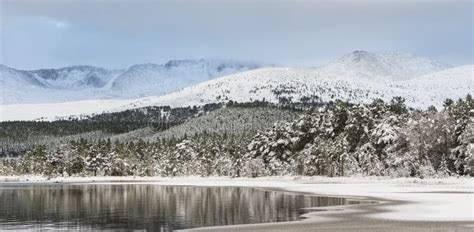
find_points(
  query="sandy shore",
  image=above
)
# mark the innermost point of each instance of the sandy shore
(405, 204)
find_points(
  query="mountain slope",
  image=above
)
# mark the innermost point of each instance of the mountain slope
(229, 120)
(11, 77)
(152, 79)
(273, 84)
(436, 87)
(75, 77)
(387, 65)
(77, 83)
(15, 83)
(277, 84)
(356, 77)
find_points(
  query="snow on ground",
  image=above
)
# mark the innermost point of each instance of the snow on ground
(80, 83)
(356, 77)
(260, 84)
(270, 83)
(53, 111)
(295, 83)
(450, 199)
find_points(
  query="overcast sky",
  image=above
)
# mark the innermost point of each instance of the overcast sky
(117, 34)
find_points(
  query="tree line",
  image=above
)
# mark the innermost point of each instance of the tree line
(337, 139)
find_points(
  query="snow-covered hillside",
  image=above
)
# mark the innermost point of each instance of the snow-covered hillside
(433, 88)
(277, 84)
(356, 77)
(77, 83)
(152, 79)
(75, 77)
(15, 78)
(273, 85)
(15, 85)
(382, 65)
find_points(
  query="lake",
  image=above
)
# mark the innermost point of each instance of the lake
(147, 206)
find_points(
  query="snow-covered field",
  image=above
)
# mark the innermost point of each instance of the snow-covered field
(411, 199)
(53, 111)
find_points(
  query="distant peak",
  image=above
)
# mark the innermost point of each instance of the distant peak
(360, 52)
(142, 66)
(176, 63)
(80, 67)
(5, 67)
(358, 56)
(372, 57)
(394, 65)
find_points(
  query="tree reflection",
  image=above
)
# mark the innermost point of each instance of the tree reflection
(151, 207)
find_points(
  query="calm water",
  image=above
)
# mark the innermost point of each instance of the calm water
(151, 207)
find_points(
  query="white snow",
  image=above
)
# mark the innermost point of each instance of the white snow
(358, 77)
(54, 111)
(386, 65)
(78, 83)
(261, 84)
(449, 199)
(75, 77)
(152, 79)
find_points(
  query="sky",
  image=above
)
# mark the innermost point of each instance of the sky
(121, 33)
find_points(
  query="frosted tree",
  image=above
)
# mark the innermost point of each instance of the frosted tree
(277, 146)
(430, 140)
(327, 157)
(96, 161)
(34, 160)
(389, 146)
(56, 162)
(463, 154)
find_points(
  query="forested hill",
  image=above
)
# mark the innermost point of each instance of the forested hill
(144, 123)
(336, 139)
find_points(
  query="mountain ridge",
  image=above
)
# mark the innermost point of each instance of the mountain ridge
(277, 84)
(85, 82)
(272, 85)
(354, 81)
(392, 65)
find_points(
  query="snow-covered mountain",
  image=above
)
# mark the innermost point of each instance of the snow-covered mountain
(433, 88)
(356, 77)
(53, 85)
(152, 79)
(14, 84)
(87, 82)
(75, 77)
(277, 84)
(386, 65)
(271, 84)
(77, 83)
(16, 78)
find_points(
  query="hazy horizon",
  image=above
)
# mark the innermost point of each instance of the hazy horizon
(118, 34)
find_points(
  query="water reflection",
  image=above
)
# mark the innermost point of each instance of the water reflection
(150, 207)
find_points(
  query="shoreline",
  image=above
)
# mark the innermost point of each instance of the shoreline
(407, 204)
